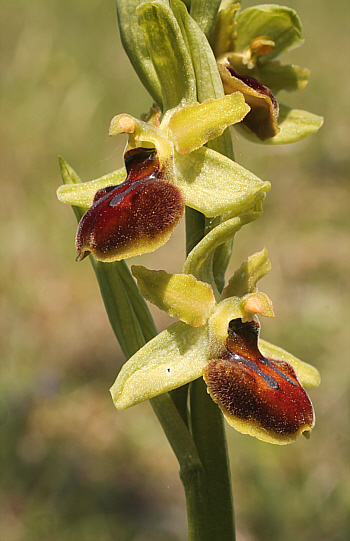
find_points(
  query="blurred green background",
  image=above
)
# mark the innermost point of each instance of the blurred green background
(72, 466)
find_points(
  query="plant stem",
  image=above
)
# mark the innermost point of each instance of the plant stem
(210, 509)
(208, 432)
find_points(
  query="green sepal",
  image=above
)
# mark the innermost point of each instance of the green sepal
(192, 126)
(199, 262)
(204, 13)
(135, 47)
(173, 358)
(214, 184)
(246, 277)
(307, 374)
(208, 81)
(221, 259)
(281, 24)
(82, 194)
(273, 74)
(279, 77)
(179, 295)
(169, 54)
(294, 125)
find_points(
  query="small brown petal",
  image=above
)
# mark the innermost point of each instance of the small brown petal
(262, 118)
(258, 396)
(133, 218)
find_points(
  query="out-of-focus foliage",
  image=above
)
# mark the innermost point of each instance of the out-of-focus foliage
(72, 466)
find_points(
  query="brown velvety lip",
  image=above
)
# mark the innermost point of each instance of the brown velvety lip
(253, 388)
(138, 211)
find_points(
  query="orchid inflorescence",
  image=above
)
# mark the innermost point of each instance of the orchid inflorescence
(180, 154)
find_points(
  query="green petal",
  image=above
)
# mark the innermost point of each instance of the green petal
(214, 184)
(282, 77)
(204, 13)
(173, 358)
(281, 24)
(168, 52)
(142, 133)
(192, 126)
(294, 125)
(307, 374)
(200, 260)
(179, 295)
(208, 81)
(136, 48)
(245, 278)
(82, 194)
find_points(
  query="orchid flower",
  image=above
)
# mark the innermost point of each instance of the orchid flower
(247, 44)
(258, 386)
(134, 210)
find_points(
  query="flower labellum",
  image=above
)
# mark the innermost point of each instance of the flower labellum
(142, 211)
(264, 109)
(258, 396)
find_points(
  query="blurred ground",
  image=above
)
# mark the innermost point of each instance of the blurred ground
(72, 466)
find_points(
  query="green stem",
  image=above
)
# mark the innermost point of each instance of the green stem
(208, 432)
(210, 509)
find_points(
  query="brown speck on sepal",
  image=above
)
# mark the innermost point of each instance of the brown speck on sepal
(133, 218)
(264, 109)
(258, 396)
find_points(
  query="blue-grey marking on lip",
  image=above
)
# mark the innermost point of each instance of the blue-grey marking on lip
(117, 199)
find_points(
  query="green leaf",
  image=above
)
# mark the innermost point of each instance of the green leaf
(199, 262)
(282, 77)
(246, 277)
(70, 178)
(135, 47)
(82, 194)
(208, 80)
(307, 374)
(294, 125)
(204, 13)
(281, 24)
(169, 54)
(173, 358)
(127, 311)
(179, 295)
(214, 184)
(192, 126)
